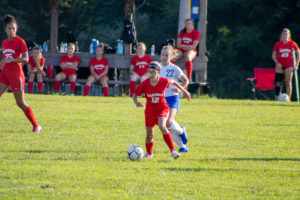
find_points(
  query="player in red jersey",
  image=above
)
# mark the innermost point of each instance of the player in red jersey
(35, 68)
(69, 65)
(283, 58)
(187, 42)
(99, 69)
(157, 109)
(15, 53)
(138, 67)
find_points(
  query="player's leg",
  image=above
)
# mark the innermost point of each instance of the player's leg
(30, 82)
(72, 79)
(188, 58)
(58, 78)
(133, 79)
(149, 141)
(279, 77)
(104, 84)
(39, 78)
(288, 74)
(178, 55)
(91, 79)
(3, 89)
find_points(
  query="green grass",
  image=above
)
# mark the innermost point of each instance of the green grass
(239, 149)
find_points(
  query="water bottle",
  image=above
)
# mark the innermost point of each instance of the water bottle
(152, 50)
(76, 47)
(61, 48)
(120, 47)
(91, 48)
(45, 47)
(65, 47)
(95, 44)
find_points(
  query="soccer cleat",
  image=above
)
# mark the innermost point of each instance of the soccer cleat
(175, 155)
(72, 95)
(184, 150)
(37, 129)
(148, 155)
(183, 136)
(56, 94)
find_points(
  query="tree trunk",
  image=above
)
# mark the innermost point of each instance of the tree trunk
(183, 13)
(54, 24)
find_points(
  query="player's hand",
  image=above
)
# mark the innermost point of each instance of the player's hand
(278, 65)
(139, 104)
(188, 95)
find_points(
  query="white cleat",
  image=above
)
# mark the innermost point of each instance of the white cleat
(175, 155)
(37, 129)
(148, 155)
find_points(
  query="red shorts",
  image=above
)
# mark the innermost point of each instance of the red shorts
(151, 118)
(69, 72)
(16, 83)
(183, 51)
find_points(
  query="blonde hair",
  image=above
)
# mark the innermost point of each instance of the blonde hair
(143, 45)
(72, 44)
(288, 32)
(170, 50)
(36, 48)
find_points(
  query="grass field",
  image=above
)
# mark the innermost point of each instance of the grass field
(239, 149)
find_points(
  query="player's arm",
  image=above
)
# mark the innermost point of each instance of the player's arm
(274, 57)
(131, 69)
(138, 104)
(104, 72)
(194, 45)
(186, 93)
(38, 65)
(184, 81)
(297, 58)
(75, 66)
(179, 45)
(23, 59)
(62, 65)
(93, 71)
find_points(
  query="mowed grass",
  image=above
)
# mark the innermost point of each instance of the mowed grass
(239, 149)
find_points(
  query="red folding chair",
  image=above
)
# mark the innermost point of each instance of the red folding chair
(263, 80)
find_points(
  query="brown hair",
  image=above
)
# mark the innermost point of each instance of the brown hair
(188, 19)
(72, 44)
(170, 50)
(9, 19)
(36, 48)
(288, 32)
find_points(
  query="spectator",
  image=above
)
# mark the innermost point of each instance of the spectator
(35, 68)
(69, 65)
(283, 58)
(187, 42)
(138, 67)
(99, 69)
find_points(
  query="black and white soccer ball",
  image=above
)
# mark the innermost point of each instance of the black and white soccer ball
(283, 97)
(135, 152)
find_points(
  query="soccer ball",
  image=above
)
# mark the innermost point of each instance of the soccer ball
(135, 152)
(283, 97)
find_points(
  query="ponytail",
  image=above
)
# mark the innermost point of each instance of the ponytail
(8, 19)
(170, 50)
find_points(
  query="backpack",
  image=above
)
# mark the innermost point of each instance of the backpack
(129, 32)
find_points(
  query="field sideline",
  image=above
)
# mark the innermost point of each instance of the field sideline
(239, 149)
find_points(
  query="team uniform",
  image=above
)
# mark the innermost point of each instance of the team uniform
(141, 66)
(12, 73)
(33, 65)
(285, 53)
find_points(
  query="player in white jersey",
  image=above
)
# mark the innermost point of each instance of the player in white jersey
(173, 72)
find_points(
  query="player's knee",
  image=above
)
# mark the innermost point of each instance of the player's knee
(21, 104)
(168, 123)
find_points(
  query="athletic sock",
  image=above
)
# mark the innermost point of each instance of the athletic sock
(86, 90)
(30, 86)
(175, 128)
(169, 141)
(105, 91)
(177, 139)
(40, 87)
(57, 86)
(189, 68)
(132, 87)
(149, 147)
(29, 114)
(73, 87)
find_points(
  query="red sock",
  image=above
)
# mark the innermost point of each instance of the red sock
(29, 114)
(169, 141)
(149, 148)
(86, 90)
(57, 86)
(73, 87)
(189, 68)
(30, 86)
(40, 87)
(132, 87)
(105, 91)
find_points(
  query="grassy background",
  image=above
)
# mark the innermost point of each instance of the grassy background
(238, 150)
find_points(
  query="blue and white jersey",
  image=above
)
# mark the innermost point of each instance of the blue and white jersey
(172, 72)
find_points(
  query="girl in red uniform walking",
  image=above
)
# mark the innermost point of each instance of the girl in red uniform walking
(283, 58)
(138, 67)
(69, 65)
(187, 42)
(15, 53)
(35, 68)
(157, 109)
(99, 69)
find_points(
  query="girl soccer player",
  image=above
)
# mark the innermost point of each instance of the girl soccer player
(99, 68)
(35, 67)
(69, 65)
(187, 42)
(283, 58)
(173, 72)
(157, 109)
(15, 53)
(138, 67)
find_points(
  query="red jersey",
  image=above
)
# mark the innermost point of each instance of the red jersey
(189, 38)
(141, 64)
(99, 65)
(13, 49)
(155, 95)
(285, 53)
(33, 64)
(69, 62)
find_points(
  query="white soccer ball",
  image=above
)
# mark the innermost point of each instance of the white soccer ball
(283, 97)
(135, 152)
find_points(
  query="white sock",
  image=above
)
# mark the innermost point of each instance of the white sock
(177, 139)
(175, 128)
